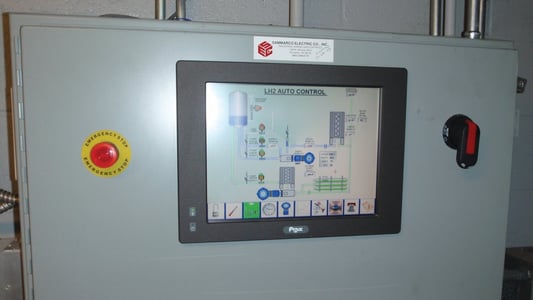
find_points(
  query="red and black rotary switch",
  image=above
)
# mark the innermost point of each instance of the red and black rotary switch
(462, 134)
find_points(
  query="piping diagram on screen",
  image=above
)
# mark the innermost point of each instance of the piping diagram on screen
(292, 151)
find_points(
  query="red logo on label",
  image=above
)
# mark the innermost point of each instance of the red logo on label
(264, 49)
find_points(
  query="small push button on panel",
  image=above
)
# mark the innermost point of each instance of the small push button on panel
(104, 154)
(462, 134)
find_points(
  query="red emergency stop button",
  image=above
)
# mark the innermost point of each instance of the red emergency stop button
(104, 154)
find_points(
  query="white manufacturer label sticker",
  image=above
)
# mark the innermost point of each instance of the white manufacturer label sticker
(293, 49)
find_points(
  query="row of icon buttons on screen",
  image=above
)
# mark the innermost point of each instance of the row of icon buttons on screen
(289, 209)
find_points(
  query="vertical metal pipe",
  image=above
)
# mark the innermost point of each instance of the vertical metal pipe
(482, 14)
(160, 6)
(474, 19)
(296, 13)
(435, 17)
(180, 10)
(449, 17)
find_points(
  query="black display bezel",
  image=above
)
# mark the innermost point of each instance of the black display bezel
(191, 79)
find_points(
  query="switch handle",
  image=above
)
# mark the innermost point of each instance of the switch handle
(462, 134)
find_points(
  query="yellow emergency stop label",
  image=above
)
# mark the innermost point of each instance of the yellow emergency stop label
(106, 153)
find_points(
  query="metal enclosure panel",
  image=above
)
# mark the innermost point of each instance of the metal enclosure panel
(116, 238)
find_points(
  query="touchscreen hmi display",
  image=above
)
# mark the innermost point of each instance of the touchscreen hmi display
(290, 151)
(280, 151)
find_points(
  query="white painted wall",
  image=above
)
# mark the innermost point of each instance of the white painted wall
(508, 20)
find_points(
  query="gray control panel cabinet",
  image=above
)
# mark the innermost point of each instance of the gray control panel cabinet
(116, 237)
